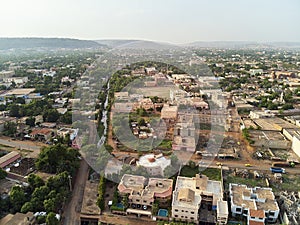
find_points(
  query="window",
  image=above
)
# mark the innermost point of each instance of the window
(176, 210)
(238, 209)
(271, 213)
(192, 218)
(182, 210)
(176, 216)
(138, 200)
(145, 201)
(192, 212)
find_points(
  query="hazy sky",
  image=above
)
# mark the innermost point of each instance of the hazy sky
(176, 21)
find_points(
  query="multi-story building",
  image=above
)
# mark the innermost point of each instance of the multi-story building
(257, 204)
(184, 134)
(143, 192)
(199, 199)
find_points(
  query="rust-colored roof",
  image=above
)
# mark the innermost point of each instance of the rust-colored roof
(41, 131)
(251, 222)
(257, 213)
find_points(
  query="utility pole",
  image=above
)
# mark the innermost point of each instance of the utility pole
(70, 182)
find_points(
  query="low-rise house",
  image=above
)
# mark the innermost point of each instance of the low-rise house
(48, 125)
(9, 158)
(124, 107)
(154, 164)
(257, 204)
(41, 134)
(19, 219)
(63, 132)
(169, 112)
(145, 103)
(296, 144)
(151, 70)
(16, 80)
(121, 96)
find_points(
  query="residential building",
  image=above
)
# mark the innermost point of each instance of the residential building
(199, 199)
(169, 112)
(261, 114)
(9, 158)
(43, 134)
(63, 132)
(256, 204)
(296, 144)
(142, 194)
(121, 96)
(184, 134)
(154, 164)
(19, 219)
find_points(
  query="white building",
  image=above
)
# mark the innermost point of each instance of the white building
(257, 204)
(154, 164)
(261, 114)
(193, 196)
(296, 144)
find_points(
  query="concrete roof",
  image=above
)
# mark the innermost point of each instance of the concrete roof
(151, 160)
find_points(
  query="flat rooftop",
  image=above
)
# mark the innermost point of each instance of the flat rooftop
(243, 195)
(205, 187)
(274, 123)
(20, 91)
(137, 185)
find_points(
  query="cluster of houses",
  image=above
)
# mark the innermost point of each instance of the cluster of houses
(272, 132)
(197, 200)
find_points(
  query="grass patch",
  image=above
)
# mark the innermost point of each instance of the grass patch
(211, 173)
(165, 144)
(188, 171)
(250, 182)
(290, 183)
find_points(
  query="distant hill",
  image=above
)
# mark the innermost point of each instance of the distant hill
(139, 44)
(243, 44)
(23, 43)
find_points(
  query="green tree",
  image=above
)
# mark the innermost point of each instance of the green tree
(141, 122)
(30, 121)
(17, 198)
(35, 181)
(10, 128)
(58, 158)
(51, 219)
(3, 174)
(14, 110)
(27, 207)
(51, 115)
(66, 118)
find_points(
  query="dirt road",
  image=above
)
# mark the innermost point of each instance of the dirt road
(71, 214)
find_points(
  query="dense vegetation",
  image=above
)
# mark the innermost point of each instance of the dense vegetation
(57, 159)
